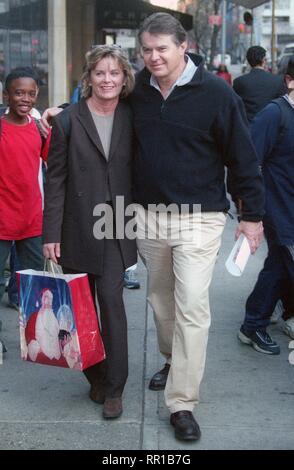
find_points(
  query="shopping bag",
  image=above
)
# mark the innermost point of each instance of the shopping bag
(58, 320)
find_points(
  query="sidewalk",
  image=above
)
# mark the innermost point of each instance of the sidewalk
(246, 397)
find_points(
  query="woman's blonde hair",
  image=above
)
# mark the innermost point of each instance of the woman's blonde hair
(94, 56)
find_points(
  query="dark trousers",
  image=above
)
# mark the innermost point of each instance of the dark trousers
(14, 265)
(287, 298)
(113, 372)
(274, 281)
(29, 253)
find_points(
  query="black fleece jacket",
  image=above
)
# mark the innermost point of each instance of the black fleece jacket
(183, 144)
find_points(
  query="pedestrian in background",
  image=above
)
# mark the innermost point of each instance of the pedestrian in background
(258, 87)
(223, 73)
(276, 156)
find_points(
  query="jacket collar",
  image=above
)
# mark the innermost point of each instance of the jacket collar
(144, 76)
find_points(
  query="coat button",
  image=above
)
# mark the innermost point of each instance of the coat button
(82, 168)
(80, 194)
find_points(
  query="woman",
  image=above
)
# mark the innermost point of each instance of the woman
(89, 164)
(223, 73)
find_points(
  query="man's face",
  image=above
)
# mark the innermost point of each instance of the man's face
(162, 57)
(22, 96)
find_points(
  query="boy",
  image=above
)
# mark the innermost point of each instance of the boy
(20, 191)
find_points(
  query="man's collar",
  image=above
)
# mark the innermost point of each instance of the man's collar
(185, 77)
(290, 100)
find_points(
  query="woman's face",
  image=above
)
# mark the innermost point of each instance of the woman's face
(107, 79)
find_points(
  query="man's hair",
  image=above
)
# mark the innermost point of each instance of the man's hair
(20, 72)
(163, 23)
(255, 55)
(290, 67)
(95, 55)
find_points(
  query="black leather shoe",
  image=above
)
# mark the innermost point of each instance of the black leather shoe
(186, 427)
(159, 379)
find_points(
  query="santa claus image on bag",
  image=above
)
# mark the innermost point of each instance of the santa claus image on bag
(41, 333)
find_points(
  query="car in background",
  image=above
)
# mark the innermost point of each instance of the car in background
(218, 60)
(288, 49)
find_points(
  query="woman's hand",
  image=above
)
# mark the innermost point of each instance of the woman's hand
(52, 251)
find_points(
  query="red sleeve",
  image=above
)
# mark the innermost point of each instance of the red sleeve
(45, 149)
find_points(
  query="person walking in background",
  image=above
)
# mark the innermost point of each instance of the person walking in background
(276, 156)
(130, 280)
(223, 73)
(258, 87)
(188, 126)
(90, 164)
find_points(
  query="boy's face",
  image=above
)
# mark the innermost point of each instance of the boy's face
(21, 96)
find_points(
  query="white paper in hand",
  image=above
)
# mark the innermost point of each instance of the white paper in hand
(238, 257)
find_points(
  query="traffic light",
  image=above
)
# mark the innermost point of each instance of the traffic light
(241, 27)
(248, 18)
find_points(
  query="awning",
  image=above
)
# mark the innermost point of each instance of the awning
(249, 3)
(129, 14)
(27, 17)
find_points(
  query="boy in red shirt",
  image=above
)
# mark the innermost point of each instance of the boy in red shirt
(20, 191)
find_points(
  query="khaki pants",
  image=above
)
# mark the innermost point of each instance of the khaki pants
(179, 275)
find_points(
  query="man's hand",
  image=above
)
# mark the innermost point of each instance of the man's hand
(253, 231)
(46, 117)
(52, 251)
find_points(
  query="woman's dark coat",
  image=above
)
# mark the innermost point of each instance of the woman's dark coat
(76, 182)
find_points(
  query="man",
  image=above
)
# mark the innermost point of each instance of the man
(276, 155)
(189, 125)
(258, 87)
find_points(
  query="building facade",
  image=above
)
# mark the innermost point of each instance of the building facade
(24, 39)
(52, 36)
(284, 19)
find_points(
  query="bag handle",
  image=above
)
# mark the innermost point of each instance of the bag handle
(52, 267)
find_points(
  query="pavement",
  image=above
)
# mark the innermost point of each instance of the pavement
(246, 397)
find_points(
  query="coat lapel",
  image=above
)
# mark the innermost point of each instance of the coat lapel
(85, 118)
(118, 123)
